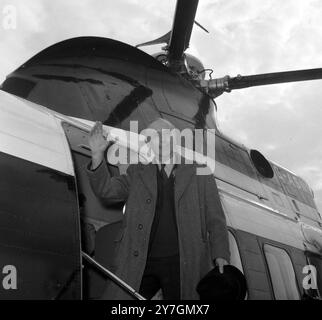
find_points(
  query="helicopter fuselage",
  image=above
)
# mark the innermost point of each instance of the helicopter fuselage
(48, 106)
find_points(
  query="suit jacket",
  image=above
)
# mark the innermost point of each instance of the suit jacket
(202, 230)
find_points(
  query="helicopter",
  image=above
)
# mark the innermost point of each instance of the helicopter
(62, 239)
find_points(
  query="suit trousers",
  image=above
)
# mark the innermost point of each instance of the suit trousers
(164, 273)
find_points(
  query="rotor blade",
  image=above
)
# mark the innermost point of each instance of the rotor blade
(241, 82)
(182, 27)
(201, 27)
(163, 39)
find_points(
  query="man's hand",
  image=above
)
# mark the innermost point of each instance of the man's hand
(98, 144)
(220, 262)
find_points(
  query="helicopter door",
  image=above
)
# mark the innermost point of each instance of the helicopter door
(100, 222)
(39, 229)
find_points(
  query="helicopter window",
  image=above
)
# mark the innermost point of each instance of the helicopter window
(18, 86)
(234, 157)
(234, 252)
(235, 259)
(303, 185)
(180, 97)
(281, 273)
(261, 164)
(63, 97)
(295, 187)
(289, 183)
(118, 100)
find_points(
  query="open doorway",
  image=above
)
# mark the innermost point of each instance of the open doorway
(99, 222)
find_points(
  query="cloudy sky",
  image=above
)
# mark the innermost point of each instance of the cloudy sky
(246, 37)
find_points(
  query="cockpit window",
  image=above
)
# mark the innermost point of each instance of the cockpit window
(18, 86)
(281, 273)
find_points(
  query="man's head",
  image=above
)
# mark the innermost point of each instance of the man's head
(163, 139)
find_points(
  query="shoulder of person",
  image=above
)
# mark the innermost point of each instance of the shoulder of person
(135, 167)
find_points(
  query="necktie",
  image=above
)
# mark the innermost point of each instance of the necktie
(162, 171)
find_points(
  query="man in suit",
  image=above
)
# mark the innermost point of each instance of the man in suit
(174, 228)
